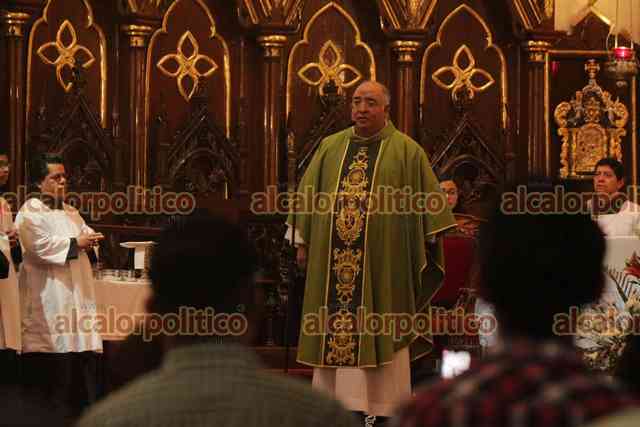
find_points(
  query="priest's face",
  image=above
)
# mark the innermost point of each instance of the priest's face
(55, 183)
(606, 181)
(4, 169)
(369, 109)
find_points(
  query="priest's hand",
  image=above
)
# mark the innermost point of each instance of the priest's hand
(301, 257)
(88, 240)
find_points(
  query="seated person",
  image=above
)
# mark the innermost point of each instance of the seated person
(459, 254)
(533, 268)
(610, 207)
(459, 246)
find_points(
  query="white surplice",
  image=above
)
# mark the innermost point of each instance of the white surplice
(57, 296)
(625, 223)
(10, 331)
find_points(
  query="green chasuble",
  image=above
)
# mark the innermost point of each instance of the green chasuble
(369, 210)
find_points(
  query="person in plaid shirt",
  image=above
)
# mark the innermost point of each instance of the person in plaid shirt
(533, 267)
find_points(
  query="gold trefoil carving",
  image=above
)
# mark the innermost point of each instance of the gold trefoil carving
(463, 76)
(331, 67)
(66, 53)
(187, 65)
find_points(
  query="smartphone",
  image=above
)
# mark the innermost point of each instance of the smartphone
(454, 363)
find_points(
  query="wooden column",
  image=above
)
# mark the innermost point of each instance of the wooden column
(13, 33)
(272, 89)
(536, 119)
(404, 91)
(139, 146)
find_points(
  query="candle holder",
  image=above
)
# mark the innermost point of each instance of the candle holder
(622, 65)
(141, 257)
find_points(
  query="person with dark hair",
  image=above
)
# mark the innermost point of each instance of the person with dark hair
(615, 213)
(60, 333)
(202, 268)
(458, 245)
(10, 331)
(450, 188)
(534, 270)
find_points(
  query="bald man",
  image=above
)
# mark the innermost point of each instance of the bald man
(365, 265)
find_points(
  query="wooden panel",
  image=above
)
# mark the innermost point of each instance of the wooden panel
(464, 96)
(64, 35)
(477, 56)
(188, 33)
(347, 59)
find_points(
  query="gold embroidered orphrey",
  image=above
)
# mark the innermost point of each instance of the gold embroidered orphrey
(591, 126)
(187, 65)
(331, 68)
(66, 53)
(463, 76)
(347, 261)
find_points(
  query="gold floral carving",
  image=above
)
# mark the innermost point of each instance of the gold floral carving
(265, 10)
(580, 122)
(187, 65)
(213, 38)
(463, 76)
(490, 46)
(331, 68)
(66, 53)
(408, 14)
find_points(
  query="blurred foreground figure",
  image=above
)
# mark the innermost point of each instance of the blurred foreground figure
(202, 268)
(533, 268)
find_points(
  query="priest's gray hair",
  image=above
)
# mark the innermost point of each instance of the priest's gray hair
(386, 95)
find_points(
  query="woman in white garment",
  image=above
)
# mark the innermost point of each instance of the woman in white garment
(615, 214)
(10, 342)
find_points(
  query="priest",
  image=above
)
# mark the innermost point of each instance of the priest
(60, 334)
(376, 253)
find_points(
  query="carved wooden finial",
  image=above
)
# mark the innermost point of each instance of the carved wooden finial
(79, 79)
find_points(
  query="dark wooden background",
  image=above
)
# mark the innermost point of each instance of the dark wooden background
(124, 121)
